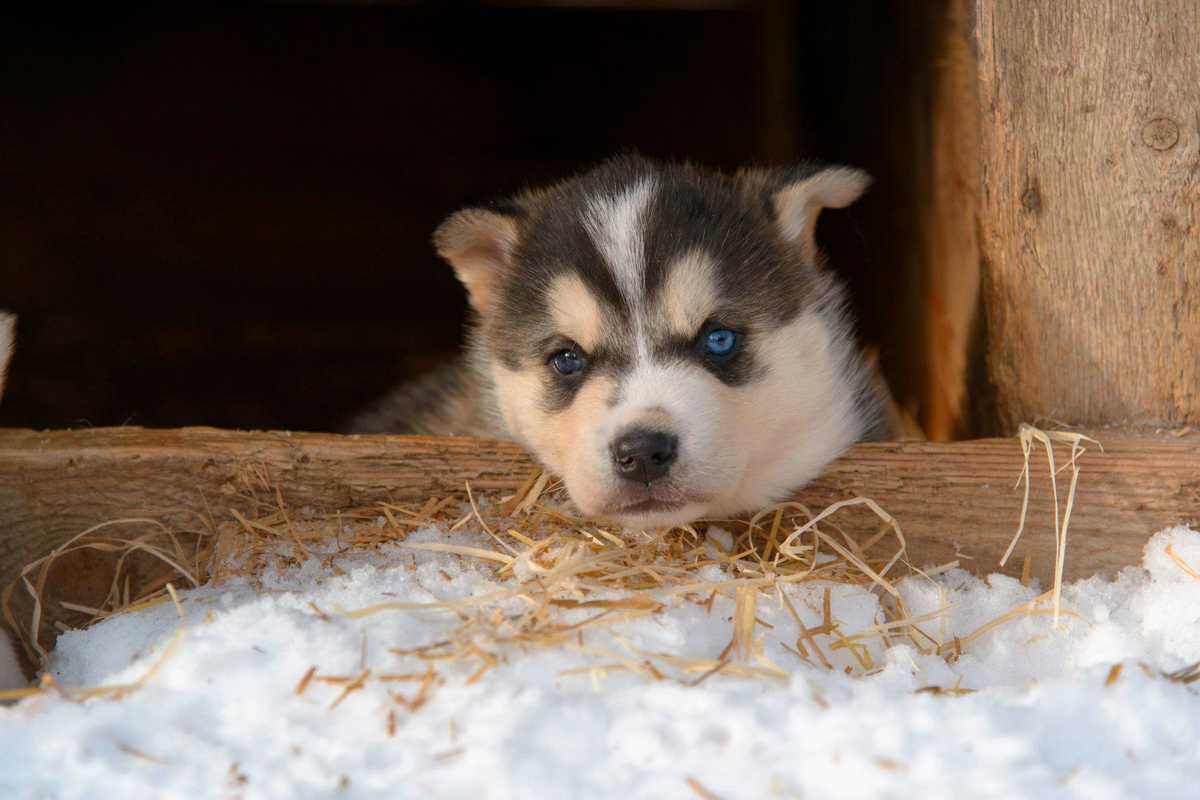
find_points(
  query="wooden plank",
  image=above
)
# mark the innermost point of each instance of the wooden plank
(949, 497)
(1091, 208)
(953, 500)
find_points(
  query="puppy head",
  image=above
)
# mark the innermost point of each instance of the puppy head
(662, 337)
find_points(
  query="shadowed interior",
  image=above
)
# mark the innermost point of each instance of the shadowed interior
(222, 216)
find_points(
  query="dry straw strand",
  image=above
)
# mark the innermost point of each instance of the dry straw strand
(563, 578)
(1027, 435)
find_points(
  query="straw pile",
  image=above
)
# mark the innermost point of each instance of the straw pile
(561, 575)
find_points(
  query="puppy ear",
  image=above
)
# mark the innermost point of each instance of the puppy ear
(478, 243)
(799, 203)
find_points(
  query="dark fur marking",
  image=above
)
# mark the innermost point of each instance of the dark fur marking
(763, 281)
(755, 270)
(509, 208)
(558, 391)
(737, 370)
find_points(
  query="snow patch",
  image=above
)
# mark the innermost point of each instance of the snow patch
(1047, 715)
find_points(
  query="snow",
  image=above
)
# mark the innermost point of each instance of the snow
(1050, 716)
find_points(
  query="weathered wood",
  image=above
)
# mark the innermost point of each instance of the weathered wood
(953, 500)
(1091, 208)
(951, 270)
(949, 497)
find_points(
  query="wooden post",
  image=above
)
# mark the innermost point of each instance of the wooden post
(1090, 217)
(951, 273)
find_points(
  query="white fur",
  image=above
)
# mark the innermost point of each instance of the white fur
(618, 227)
(802, 415)
(688, 401)
(741, 448)
(671, 393)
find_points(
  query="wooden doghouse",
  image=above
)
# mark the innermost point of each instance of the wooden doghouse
(1040, 216)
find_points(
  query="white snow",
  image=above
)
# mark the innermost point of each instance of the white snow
(1049, 717)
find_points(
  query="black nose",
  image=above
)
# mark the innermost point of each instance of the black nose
(644, 456)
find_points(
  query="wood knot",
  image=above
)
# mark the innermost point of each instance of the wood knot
(1031, 200)
(1160, 134)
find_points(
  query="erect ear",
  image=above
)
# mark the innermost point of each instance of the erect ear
(478, 243)
(798, 204)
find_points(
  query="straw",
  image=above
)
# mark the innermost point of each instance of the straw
(561, 577)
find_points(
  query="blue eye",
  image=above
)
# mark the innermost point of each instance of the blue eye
(720, 342)
(566, 362)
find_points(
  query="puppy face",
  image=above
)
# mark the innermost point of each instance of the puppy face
(662, 337)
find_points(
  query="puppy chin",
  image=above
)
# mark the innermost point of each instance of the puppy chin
(635, 508)
(665, 516)
(742, 502)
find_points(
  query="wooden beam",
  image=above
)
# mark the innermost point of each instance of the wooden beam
(950, 498)
(1091, 209)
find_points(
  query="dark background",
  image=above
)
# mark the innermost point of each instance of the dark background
(221, 216)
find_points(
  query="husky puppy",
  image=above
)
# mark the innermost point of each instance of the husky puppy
(11, 675)
(664, 338)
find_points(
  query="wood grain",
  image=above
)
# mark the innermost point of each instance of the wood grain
(949, 497)
(1091, 208)
(953, 500)
(951, 280)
